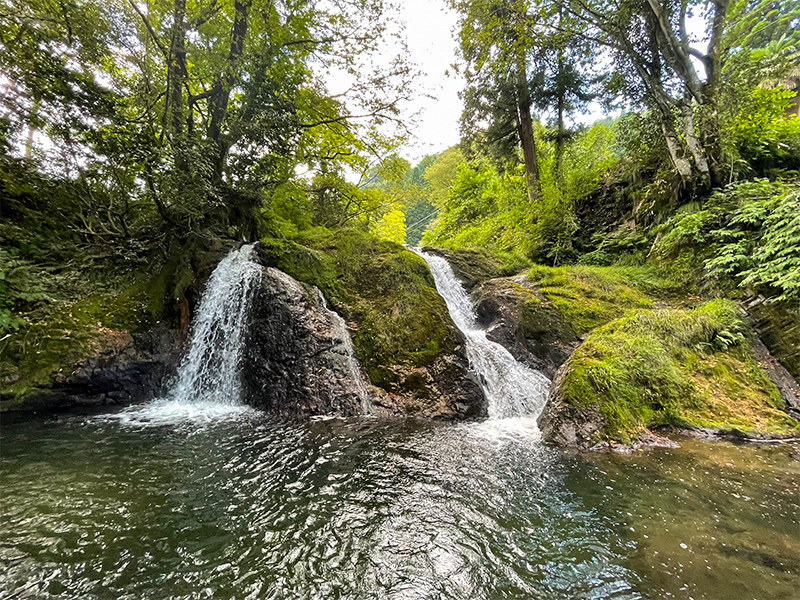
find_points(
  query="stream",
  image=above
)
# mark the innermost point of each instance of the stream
(244, 506)
(198, 496)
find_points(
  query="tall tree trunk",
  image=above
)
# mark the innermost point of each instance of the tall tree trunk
(37, 103)
(694, 144)
(219, 101)
(176, 70)
(711, 134)
(560, 102)
(525, 130)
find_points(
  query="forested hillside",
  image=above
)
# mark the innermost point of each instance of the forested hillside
(637, 143)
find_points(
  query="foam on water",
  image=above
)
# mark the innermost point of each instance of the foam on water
(168, 411)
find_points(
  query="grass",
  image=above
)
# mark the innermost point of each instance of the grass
(674, 367)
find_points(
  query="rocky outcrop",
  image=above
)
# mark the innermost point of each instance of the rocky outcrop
(113, 349)
(580, 427)
(697, 370)
(400, 326)
(122, 368)
(297, 362)
(517, 316)
(778, 327)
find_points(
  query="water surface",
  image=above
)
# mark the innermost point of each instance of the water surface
(154, 504)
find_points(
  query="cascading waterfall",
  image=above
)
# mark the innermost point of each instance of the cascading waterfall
(342, 337)
(210, 369)
(511, 388)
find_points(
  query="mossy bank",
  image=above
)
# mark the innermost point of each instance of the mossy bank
(688, 368)
(630, 348)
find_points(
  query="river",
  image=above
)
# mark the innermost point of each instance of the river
(197, 496)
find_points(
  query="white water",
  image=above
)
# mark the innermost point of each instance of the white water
(209, 371)
(512, 389)
(342, 337)
(208, 385)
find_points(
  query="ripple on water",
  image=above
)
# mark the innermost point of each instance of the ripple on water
(248, 507)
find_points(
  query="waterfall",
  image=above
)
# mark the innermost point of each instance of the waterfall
(511, 388)
(342, 337)
(209, 371)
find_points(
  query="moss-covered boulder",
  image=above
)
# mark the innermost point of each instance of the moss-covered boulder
(400, 326)
(649, 368)
(591, 296)
(105, 349)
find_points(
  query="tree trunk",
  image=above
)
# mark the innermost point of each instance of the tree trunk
(560, 102)
(694, 144)
(560, 134)
(176, 69)
(711, 134)
(525, 129)
(219, 101)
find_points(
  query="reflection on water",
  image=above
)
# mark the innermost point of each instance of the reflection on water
(247, 507)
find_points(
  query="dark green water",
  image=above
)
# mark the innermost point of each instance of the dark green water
(247, 507)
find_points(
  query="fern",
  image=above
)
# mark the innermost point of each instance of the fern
(760, 246)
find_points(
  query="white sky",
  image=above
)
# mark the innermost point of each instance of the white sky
(429, 26)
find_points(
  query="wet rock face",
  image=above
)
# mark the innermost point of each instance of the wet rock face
(778, 326)
(295, 363)
(124, 369)
(568, 426)
(519, 318)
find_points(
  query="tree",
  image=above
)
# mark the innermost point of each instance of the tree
(392, 227)
(494, 40)
(660, 65)
(204, 108)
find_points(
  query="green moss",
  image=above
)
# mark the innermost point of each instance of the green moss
(58, 336)
(589, 296)
(386, 290)
(678, 367)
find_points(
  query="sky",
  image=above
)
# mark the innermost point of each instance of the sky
(429, 27)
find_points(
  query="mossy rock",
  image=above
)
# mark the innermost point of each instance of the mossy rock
(523, 321)
(383, 289)
(589, 296)
(687, 368)
(778, 326)
(59, 336)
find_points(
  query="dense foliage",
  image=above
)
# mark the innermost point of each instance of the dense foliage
(129, 128)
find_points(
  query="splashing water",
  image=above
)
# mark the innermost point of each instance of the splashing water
(207, 387)
(342, 336)
(512, 389)
(210, 369)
